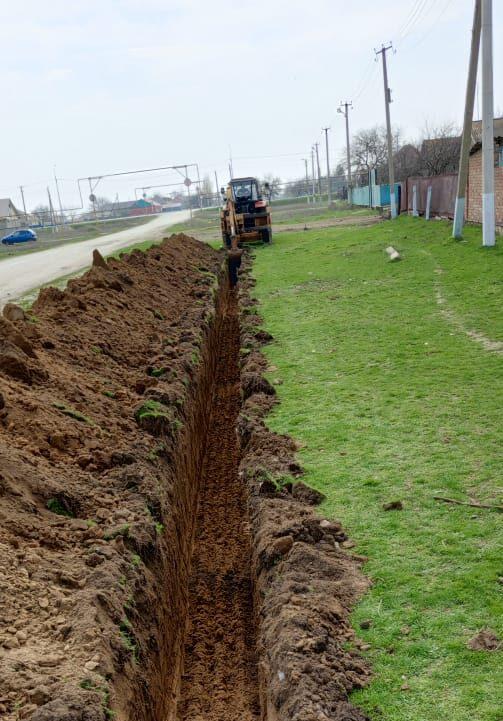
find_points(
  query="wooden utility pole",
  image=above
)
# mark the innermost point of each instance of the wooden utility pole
(345, 112)
(464, 156)
(488, 209)
(329, 189)
(216, 187)
(387, 101)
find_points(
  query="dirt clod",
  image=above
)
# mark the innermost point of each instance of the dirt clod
(485, 640)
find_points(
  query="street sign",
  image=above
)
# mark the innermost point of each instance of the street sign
(187, 182)
(92, 198)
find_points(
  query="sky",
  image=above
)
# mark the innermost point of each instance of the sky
(106, 86)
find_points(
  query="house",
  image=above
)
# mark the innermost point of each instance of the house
(10, 216)
(474, 190)
(129, 208)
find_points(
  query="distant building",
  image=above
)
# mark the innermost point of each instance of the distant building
(10, 216)
(130, 208)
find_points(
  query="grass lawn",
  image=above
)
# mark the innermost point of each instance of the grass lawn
(392, 381)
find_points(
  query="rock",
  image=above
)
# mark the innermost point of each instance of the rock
(393, 506)
(13, 312)
(91, 665)
(22, 636)
(11, 642)
(366, 624)
(43, 602)
(485, 640)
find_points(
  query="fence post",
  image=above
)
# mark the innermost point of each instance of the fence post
(428, 203)
(415, 214)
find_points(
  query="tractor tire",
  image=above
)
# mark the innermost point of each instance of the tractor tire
(266, 236)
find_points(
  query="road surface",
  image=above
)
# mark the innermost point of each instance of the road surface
(18, 275)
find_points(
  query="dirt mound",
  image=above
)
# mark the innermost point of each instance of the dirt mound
(97, 385)
(306, 584)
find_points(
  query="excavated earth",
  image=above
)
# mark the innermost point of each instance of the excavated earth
(160, 557)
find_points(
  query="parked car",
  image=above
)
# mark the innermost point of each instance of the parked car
(19, 236)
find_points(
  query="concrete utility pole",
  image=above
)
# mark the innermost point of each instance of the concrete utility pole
(345, 112)
(59, 197)
(488, 210)
(318, 167)
(307, 180)
(459, 210)
(22, 196)
(329, 189)
(51, 211)
(217, 189)
(312, 174)
(387, 101)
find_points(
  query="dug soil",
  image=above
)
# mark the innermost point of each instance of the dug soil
(160, 558)
(220, 676)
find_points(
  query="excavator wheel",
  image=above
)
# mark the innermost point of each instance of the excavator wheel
(266, 236)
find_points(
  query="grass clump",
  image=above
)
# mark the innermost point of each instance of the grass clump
(393, 394)
(151, 409)
(157, 372)
(72, 413)
(55, 505)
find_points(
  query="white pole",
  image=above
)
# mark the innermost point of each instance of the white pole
(415, 214)
(387, 101)
(488, 210)
(428, 203)
(459, 210)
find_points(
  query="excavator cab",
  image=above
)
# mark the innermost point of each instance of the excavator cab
(245, 217)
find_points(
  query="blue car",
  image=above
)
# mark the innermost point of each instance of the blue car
(19, 236)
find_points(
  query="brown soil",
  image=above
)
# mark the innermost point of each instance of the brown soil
(159, 556)
(220, 673)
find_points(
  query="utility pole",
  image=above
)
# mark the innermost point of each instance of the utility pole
(231, 169)
(345, 112)
(387, 101)
(216, 187)
(307, 180)
(488, 210)
(51, 211)
(329, 189)
(24, 204)
(459, 211)
(312, 174)
(59, 196)
(318, 167)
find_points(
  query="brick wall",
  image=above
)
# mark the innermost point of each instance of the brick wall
(474, 196)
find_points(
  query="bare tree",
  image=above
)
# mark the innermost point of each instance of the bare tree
(42, 213)
(369, 150)
(274, 184)
(439, 149)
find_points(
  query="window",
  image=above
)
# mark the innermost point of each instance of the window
(245, 190)
(500, 156)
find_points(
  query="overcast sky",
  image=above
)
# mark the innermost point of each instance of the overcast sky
(110, 85)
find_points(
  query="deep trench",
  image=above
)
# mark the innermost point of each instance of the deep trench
(219, 679)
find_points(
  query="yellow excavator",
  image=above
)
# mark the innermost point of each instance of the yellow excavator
(245, 217)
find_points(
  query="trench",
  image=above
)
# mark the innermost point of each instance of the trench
(219, 681)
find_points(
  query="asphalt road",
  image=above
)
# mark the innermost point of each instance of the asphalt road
(18, 275)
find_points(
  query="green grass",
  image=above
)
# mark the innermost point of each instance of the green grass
(394, 400)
